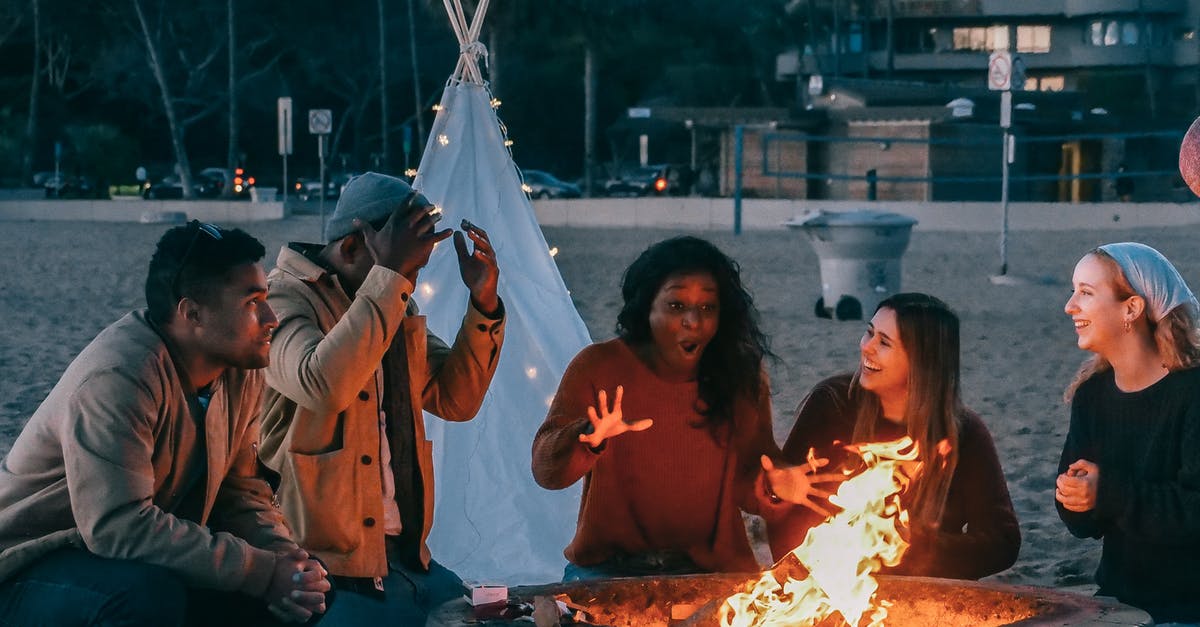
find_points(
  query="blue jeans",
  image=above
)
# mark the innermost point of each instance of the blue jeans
(409, 595)
(72, 587)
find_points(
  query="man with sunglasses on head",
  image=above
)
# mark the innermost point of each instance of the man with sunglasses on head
(352, 369)
(132, 495)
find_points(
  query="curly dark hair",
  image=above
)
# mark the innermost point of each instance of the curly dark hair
(194, 261)
(731, 366)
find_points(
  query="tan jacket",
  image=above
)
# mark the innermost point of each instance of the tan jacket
(96, 467)
(322, 408)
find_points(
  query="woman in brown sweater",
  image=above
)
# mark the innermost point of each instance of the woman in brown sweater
(668, 424)
(907, 383)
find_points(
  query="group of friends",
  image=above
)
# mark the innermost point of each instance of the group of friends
(250, 448)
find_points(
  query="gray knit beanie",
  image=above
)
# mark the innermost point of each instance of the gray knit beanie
(366, 197)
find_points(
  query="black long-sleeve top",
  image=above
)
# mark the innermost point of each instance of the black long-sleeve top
(1147, 445)
(978, 534)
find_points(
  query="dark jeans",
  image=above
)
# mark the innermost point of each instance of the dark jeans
(409, 595)
(74, 588)
(647, 564)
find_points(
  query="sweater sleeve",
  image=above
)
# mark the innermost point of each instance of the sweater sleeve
(760, 440)
(559, 458)
(991, 537)
(1163, 509)
(1078, 445)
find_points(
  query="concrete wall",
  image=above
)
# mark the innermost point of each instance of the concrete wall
(688, 214)
(131, 210)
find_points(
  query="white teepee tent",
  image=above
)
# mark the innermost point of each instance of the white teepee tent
(492, 522)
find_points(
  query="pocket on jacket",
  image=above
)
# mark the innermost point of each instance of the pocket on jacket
(327, 516)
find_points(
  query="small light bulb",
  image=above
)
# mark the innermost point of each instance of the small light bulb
(495, 103)
(508, 142)
(554, 251)
(443, 140)
(531, 372)
(437, 107)
(411, 173)
(427, 290)
(527, 189)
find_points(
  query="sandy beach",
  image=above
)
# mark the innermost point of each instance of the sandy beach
(64, 282)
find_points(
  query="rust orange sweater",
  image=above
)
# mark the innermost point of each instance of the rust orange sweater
(671, 487)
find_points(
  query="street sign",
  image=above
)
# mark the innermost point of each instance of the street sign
(285, 126)
(1000, 71)
(639, 112)
(320, 121)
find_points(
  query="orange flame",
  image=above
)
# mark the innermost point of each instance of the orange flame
(838, 557)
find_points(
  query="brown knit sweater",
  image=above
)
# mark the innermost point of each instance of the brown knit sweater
(672, 487)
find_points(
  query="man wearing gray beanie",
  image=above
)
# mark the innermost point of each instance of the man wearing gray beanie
(352, 369)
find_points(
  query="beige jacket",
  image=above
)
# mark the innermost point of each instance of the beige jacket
(322, 408)
(96, 467)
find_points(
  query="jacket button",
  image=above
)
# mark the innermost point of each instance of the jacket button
(483, 327)
(366, 460)
(363, 395)
(404, 296)
(368, 522)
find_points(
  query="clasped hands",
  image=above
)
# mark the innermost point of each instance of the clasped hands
(297, 588)
(1076, 488)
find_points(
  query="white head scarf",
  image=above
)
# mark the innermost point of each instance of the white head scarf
(1152, 277)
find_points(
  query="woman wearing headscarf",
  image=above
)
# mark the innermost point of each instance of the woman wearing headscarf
(1130, 467)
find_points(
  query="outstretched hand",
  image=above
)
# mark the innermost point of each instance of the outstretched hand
(796, 483)
(478, 268)
(610, 422)
(1076, 488)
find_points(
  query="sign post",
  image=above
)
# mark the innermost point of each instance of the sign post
(284, 110)
(1000, 71)
(320, 122)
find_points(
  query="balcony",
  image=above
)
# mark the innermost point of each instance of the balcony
(1024, 8)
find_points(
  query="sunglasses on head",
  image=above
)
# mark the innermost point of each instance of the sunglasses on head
(197, 228)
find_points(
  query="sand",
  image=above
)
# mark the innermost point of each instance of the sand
(63, 282)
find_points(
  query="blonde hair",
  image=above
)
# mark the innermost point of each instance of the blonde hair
(1176, 335)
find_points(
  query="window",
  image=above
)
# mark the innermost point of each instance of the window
(981, 38)
(1045, 83)
(1033, 39)
(1122, 33)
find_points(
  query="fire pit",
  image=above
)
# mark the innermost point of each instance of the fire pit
(914, 602)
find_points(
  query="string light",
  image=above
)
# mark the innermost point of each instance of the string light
(495, 103)
(437, 107)
(531, 372)
(427, 290)
(443, 139)
(526, 188)
(508, 142)
(554, 251)
(411, 173)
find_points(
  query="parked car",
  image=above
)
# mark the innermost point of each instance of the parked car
(659, 180)
(234, 179)
(63, 186)
(309, 189)
(170, 187)
(539, 184)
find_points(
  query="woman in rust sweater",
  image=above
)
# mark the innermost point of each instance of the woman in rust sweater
(962, 523)
(668, 424)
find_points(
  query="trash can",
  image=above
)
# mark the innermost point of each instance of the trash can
(859, 254)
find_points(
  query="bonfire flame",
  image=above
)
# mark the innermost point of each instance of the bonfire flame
(837, 558)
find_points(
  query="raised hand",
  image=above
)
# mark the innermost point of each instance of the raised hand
(406, 239)
(1076, 488)
(610, 422)
(796, 483)
(478, 268)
